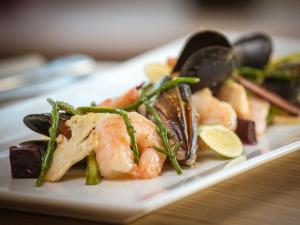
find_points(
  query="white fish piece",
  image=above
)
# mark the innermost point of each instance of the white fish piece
(213, 111)
(236, 95)
(259, 110)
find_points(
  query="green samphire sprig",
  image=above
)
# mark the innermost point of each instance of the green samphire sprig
(53, 130)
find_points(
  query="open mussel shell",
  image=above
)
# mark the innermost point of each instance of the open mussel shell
(41, 123)
(198, 41)
(253, 50)
(213, 65)
(175, 109)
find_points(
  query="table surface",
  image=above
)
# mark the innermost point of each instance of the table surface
(268, 194)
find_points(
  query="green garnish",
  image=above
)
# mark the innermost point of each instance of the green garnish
(163, 87)
(124, 114)
(92, 171)
(163, 132)
(145, 88)
(276, 69)
(250, 73)
(290, 58)
(53, 130)
(67, 108)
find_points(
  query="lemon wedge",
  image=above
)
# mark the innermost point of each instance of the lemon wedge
(157, 71)
(221, 140)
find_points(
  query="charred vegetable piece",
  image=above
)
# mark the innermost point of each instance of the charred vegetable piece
(268, 95)
(174, 108)
(25, 159)
(246, 131)
(253, 50)
(41, 123)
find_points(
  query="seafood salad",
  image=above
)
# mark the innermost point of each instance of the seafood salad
(216, 95)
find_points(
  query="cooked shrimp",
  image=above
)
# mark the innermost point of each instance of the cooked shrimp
(236, 95)
(121, 101)
(114, 155)
(259, 110)
(213, 111)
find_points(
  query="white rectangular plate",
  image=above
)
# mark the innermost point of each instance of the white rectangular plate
(122, 201)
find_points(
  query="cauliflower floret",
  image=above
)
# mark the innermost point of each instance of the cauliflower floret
(70, 151)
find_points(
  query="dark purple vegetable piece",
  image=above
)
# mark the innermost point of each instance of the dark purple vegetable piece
(42, 146)
(41, 123)
(253, 50)
(25, 160)
(246, 131)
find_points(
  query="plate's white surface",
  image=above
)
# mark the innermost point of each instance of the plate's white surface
(120, 201)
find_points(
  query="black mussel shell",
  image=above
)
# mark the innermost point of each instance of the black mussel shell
(175, 109)
(253, 50)
(198, 41)
(41, 123)
(213, 65)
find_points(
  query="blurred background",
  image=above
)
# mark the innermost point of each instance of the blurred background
(106, 32)
(120, 29)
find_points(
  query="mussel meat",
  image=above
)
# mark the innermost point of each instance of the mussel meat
(41, 123)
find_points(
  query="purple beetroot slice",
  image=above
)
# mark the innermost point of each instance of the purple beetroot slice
(246, 131)
(25, 161)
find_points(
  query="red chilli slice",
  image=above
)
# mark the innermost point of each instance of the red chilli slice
(268, 95)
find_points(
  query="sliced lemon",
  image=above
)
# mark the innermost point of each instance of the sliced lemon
(221, 140)
(157, 71)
